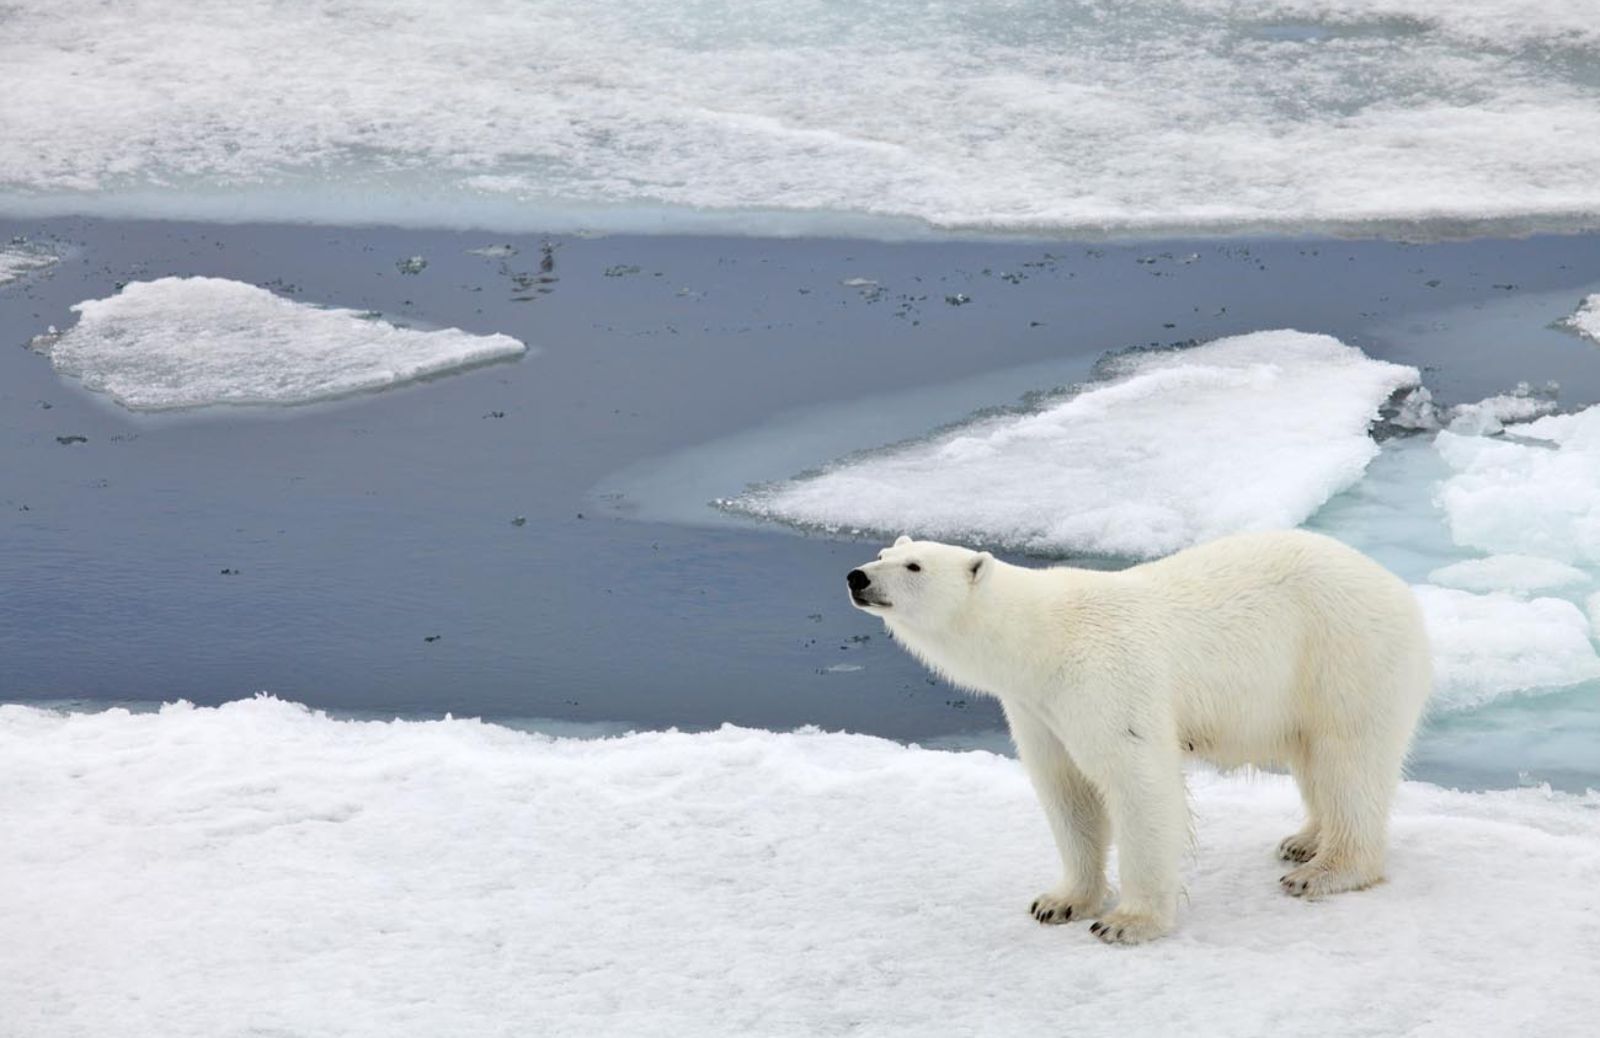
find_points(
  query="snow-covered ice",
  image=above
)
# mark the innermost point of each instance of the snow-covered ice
(193, 342)
(1517, 574)
(1586, 320)
(1169, 114)
(1492, 414)
(1535, 494)
(1485, 646)
(1176, 447)
(262, 869)
(18, 259)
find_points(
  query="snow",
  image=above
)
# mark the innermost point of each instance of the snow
(193, 342)
(262, 869)
(885, 113)
(1586, 320)
(1485, 646)
(1176, 447)
(17, 259)
(1518, 574)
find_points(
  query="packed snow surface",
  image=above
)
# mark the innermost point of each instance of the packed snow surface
(17, 260)
(1245, 433)
(262, 869)
(192, 342)
(1029, 115)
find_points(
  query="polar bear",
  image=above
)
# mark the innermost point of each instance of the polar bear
(1283, 647)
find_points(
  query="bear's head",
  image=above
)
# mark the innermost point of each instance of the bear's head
(922, 584)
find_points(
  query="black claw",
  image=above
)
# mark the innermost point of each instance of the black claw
(1034, 907)
(1095, 929)
(1119, 933)
(1066, 913)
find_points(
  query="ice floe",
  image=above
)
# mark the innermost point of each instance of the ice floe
(259, 868)
(1487, 645)
(193, 342)
(19, 258)
(1586, 320)
(1187, 113)
(1173, 448)
(1517, 574)
(1535, 494)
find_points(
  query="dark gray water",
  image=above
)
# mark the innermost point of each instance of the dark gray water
(362, 555)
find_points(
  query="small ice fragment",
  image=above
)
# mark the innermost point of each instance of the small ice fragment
(412, 265)
(859, 283)
(194, 342)
(1586, 321)
(1490, 416)
(18, 257)
(494, 251)
(1417, 411)
(844, 668)
(958, 299)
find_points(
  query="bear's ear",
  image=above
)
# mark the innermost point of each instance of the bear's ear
(980, 566)
(901, 541)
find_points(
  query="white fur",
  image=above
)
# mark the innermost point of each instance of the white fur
(1264, 648)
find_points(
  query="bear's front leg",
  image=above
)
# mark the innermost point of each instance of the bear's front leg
(1144, 793)
(1076, 815)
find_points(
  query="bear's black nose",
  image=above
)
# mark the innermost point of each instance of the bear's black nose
(857, 580)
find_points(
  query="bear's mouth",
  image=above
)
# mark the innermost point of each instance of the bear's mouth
(863, 602)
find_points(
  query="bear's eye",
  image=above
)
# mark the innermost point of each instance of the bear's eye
(913, 567)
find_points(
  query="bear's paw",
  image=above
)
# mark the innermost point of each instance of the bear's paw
(1056, 908)
(1128, 927)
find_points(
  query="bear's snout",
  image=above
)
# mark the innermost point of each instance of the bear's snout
(857, 580)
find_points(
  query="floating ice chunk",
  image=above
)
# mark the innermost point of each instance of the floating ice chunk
(1493, 414)
(1587, 320)
(19, 258)
(1487, 645)
(192, 342)
(494, 251)
(1245, 433)
(176, 873)
(1517, 574)
(1523, 496)
(1416, 410)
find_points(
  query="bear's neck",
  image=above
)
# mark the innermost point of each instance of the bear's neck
(1006, 641)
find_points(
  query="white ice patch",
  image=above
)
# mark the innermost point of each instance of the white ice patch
(1246, 433)
(1517, 574)
(194, 342)
(17, 260)
(1535, 494)
(1586, 321)
(1492, 414)
(1034, 115)
(1485, 646)
(260, 869)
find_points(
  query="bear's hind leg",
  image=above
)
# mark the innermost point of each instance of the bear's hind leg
(1349, 793)
(1301, 847)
